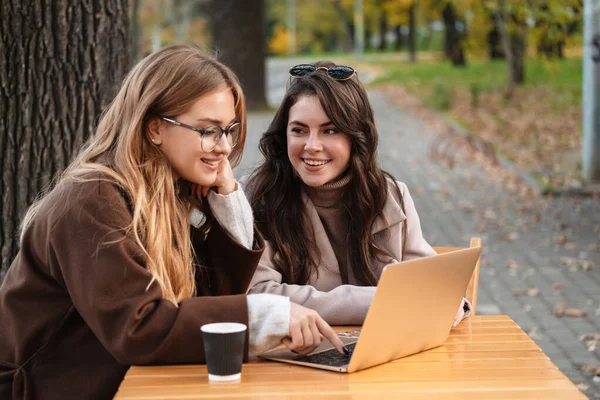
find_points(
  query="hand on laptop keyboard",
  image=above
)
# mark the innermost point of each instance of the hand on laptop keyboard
(329, 357)
(307, 330)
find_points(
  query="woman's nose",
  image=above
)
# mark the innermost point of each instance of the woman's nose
(313, 143)
(223, 145)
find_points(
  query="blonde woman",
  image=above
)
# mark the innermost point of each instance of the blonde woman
(144, 238)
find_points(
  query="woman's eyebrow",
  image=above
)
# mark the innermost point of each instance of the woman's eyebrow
(306, 126)
(215, 121)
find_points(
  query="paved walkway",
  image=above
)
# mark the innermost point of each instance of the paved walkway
(536, 252)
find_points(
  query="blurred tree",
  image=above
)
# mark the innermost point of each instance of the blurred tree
(136, 29)
(555, 21)
(401, 13)
(383, 25)
(511, 19)
(238, 30)
(62, 62)
(344, 12)
(412, 32)
(454, 41)
(278, 44)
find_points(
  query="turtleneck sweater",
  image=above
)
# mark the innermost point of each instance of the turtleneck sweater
(333, 215)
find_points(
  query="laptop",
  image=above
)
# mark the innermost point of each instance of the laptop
(412, 311)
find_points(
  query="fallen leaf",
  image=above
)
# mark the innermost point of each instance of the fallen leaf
(586, 265)
(583, 387)
(589, 337)
(595, 247)
(589, 368)
(569, 261)
(533, 292)
(571, 246)
(563, 226)
(597, 228)
(560, 239)
(512, 236)
(512, 265)
(559, 308)
(557, 287)
(591, 345)
(489, 214)
(518, 292)
(574, 312)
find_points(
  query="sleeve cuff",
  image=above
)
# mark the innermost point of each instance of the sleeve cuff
(268, 320)
(234, 214)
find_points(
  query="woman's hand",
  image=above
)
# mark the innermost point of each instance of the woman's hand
(307, 331)
(225, 183)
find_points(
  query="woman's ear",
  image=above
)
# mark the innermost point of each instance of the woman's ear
(154, 131)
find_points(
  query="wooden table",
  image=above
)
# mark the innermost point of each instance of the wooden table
(485, 357)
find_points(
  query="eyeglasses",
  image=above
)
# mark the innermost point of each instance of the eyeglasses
(339, 72)
(212, 134)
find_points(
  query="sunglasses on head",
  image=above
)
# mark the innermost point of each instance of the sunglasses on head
(339, 72)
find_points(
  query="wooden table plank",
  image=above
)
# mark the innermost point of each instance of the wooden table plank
(485, 357)
(376, 390)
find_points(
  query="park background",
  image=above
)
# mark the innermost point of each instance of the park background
(478, 104)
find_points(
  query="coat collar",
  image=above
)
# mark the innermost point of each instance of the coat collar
(391, 215)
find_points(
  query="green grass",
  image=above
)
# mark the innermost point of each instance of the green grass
(562, 78)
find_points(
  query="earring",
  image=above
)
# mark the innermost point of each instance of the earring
(153, 140)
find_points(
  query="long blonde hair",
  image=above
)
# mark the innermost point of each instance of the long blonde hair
(165, 83)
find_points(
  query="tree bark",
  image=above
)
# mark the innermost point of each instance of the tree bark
(62, 61)
(136, 31)
(383, 28)
(518, 44)
(514, 45)
(398, 35)
(239, 32)
(347, 22)
(494, 39)
(412, 33)
(454, 39)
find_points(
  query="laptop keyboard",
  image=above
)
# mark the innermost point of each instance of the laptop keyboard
(331, 357)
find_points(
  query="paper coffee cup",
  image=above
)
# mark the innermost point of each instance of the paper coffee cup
(224, 350)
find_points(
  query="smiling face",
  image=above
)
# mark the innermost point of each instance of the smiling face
(317, 150)
(183, 147)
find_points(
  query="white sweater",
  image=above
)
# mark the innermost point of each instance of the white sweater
(268, 314)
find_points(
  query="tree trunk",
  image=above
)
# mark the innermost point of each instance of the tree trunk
(454, 39)
(383, 28)
(347, 22)
(239, 32)
(550, 48)
(518, 43)
(412, 33)
(514, 45)
(181, 19)
(494, 39)
(398, 35)
(62, 63)
(136, 31)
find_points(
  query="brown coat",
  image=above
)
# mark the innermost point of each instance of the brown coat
(76, 309)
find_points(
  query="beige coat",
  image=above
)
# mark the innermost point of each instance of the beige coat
(342, 304)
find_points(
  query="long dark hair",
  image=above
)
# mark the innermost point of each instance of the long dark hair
(275, 191)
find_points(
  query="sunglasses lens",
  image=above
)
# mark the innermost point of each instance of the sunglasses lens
(340, 72)
(302, 69)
